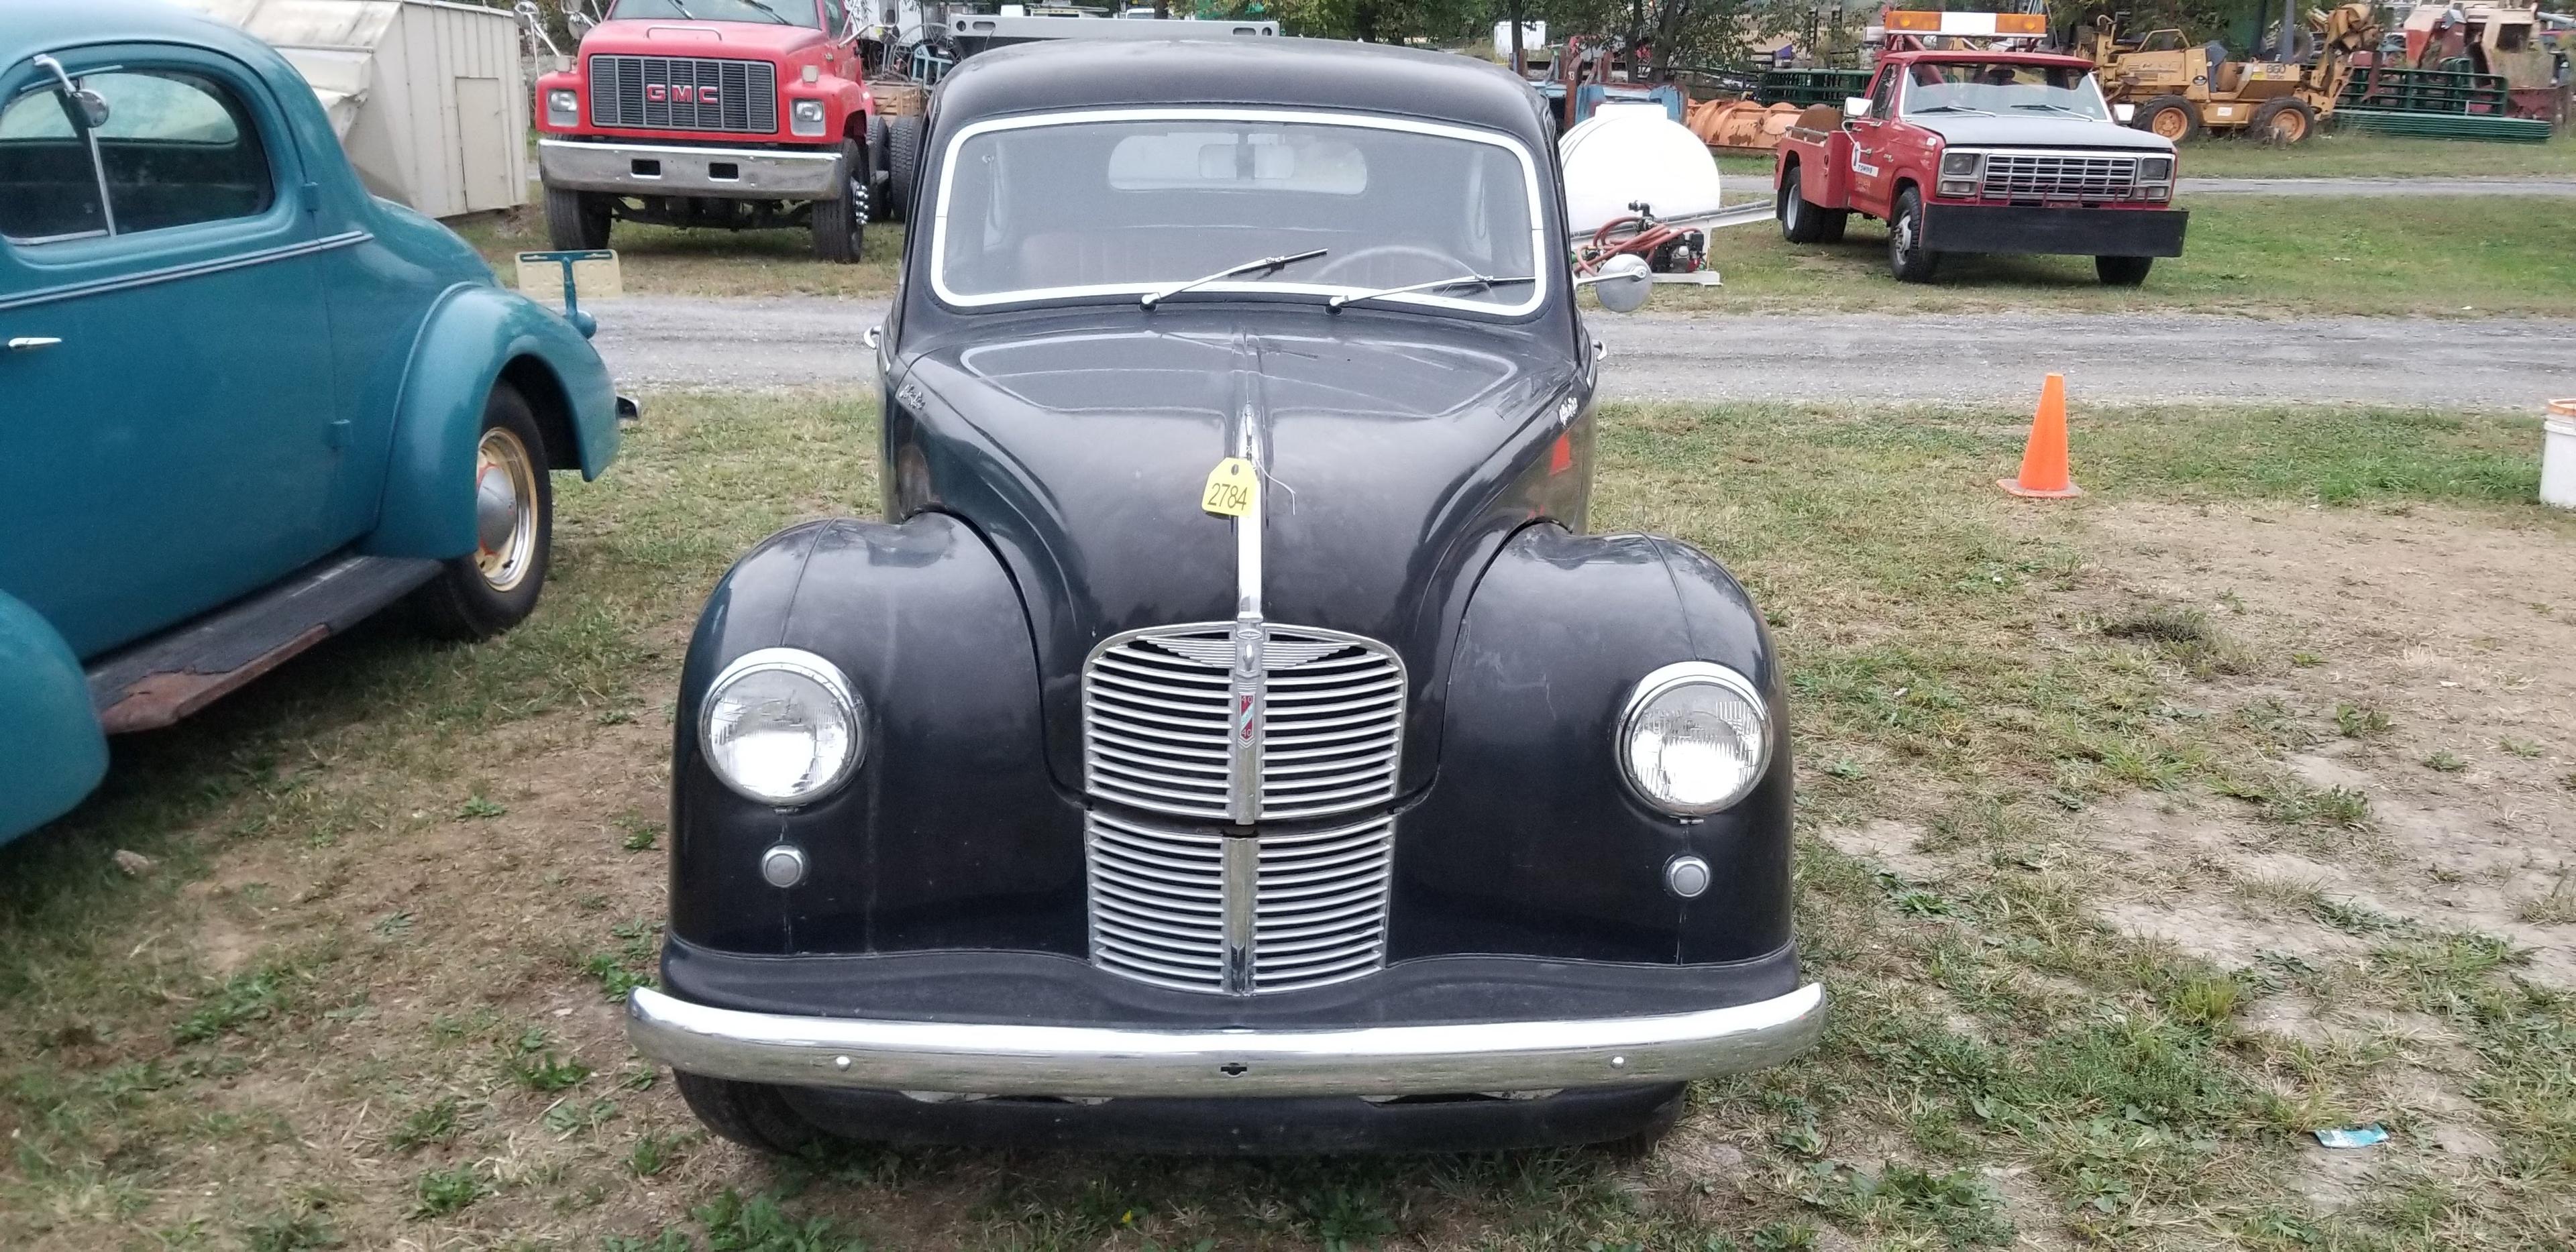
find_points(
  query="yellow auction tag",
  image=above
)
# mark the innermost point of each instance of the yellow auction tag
(1232, 488)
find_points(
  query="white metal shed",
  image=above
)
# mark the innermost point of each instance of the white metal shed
(429, 99)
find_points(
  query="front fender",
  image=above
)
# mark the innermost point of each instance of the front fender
(1530, 842)
(951, 834)
(469, 339)
(56, 752)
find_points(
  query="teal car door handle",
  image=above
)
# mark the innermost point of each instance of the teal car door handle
(29, 343)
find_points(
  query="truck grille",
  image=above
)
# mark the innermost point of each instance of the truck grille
(1158, 896)
(2060, 176)
(1155, 712)
(683, 93)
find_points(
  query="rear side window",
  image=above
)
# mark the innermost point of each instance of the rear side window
(177, 148)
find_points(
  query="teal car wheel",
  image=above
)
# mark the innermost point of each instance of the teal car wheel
(495, 587)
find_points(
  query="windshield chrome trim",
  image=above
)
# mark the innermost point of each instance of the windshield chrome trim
(1538, 207)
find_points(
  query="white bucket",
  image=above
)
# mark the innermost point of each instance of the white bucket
(2558, 455)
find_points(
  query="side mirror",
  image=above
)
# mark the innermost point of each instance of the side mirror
(1622, 284)
(2126, 113)
(1855, 108)
(93, 107)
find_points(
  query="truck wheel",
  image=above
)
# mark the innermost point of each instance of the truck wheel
(2169, 116)
(881, 206)
(840, 225)
(1800, 220)
(903, 161)
(750, 1114)
(2122, 271)
(495, 587)
(2284, 121)
(1907, 258)
(576, 221)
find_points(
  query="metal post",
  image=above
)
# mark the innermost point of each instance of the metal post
(1519, 64)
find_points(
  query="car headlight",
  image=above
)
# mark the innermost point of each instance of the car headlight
(781, 726)
(2155, 170)
(1961, 164)
(805, 117)
(563, 107)
(1696, 737)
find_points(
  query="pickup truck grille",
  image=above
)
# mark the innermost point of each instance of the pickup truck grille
(683, 93)
(1155, 709)
(2060, 176)
(1158, 898)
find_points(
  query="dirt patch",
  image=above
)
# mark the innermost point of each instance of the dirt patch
(2424, 659)
(1888, 844)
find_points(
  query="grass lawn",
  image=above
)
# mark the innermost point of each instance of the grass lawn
(2329, 155)
(2463, 256)
(2264, 256)
(2140, 835)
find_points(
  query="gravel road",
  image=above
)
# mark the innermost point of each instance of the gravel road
(660, 342)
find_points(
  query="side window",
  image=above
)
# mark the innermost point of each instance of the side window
(1882, 106)
(48, 188)
(833, 16)
(178, 149)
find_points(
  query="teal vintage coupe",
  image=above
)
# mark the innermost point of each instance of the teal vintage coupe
(242, 403)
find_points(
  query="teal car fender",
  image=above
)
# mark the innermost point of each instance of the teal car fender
(477, 336)
(56, 752)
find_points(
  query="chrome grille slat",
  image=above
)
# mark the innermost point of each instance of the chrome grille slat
(746, 93)
(2059, 176)
(1158, 898)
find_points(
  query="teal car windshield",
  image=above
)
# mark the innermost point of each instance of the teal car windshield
(1125, 203)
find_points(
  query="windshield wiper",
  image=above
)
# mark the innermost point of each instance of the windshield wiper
(684, 10)
(2059, 107)
(774, 15)
(1153, 298)
(1463, 280)
(1950, 108)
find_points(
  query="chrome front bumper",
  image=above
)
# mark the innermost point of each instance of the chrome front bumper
(1442, 1059)
(635, 169)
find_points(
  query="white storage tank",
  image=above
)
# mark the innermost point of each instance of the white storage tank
(1634, 152)
(429, 99)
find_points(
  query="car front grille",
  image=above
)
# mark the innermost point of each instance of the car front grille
(1158, 903)
(1156, 707)
(683, 93)
(2060, 176)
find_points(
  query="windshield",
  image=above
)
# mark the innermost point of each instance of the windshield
(2004, 90)
(1135, 202)
(774, 12)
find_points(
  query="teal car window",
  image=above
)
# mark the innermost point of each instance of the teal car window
(48, 188)
(179, 149)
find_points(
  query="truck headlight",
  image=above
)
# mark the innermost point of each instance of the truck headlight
(1961, 164)
(1695, 738)
(805, 117)
(781, 726)
(563, 107)
(2155, 170)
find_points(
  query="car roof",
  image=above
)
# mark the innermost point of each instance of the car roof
(1242, 71)
(1989, 57)
(47, 25)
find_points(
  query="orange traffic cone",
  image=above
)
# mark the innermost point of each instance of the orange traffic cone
(2043, 459)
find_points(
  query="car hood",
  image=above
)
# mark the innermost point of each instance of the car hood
(2039, 132)
(672, 37)
(1401, 451)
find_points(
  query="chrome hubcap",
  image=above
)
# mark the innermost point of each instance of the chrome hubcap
(1904, 235)
(505, 509)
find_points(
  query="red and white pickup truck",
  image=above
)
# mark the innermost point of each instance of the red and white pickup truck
(736, 114)
(1983, 151)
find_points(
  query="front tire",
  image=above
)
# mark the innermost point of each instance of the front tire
(841, 224)
(2172, 117)
(495, 587)
(750, 1114)
(1907, 258)
(2122, 271)
(577, 221)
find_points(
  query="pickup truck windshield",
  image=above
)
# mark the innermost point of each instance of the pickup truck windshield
(774, 12)
(1121, 204)
(2004, 90)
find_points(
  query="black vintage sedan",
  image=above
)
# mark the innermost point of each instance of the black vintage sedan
(1230, 738)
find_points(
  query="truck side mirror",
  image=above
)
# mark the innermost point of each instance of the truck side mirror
(1855, 108)
(1622, 284)
(2125, 113)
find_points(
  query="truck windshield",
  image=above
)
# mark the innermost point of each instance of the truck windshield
(1126, 203)
(773, 12)
(2004, 89)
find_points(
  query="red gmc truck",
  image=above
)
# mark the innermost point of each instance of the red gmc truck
(736, 114)
(1983, 151)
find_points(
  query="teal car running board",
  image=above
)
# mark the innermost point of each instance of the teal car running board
(154, 683)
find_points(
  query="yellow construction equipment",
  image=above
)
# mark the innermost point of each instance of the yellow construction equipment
(2181, 91)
